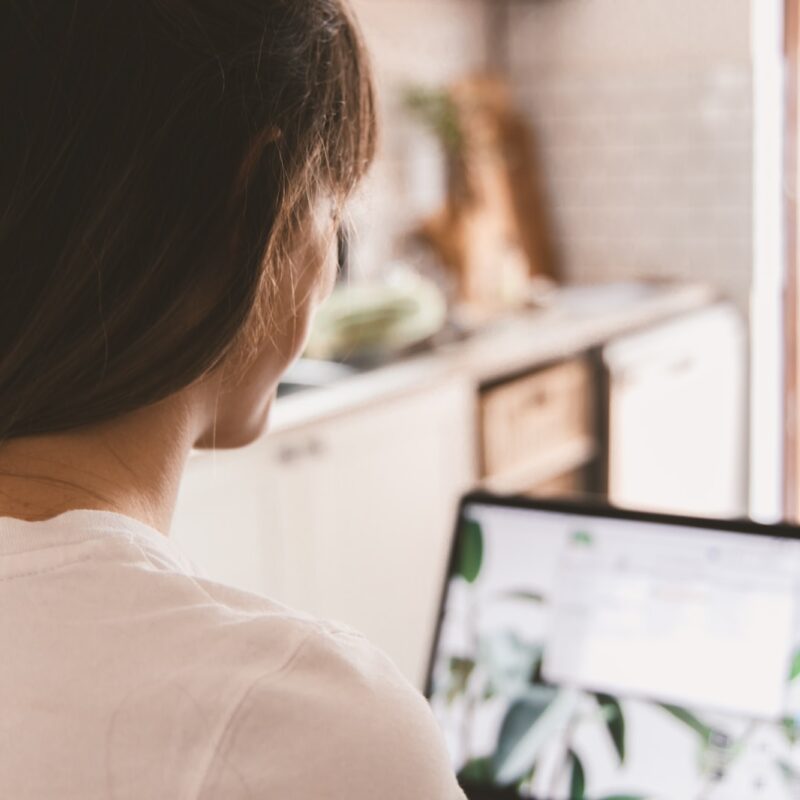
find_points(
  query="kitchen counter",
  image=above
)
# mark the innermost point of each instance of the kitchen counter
(578, 319)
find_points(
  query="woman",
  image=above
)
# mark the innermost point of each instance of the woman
(173, 171)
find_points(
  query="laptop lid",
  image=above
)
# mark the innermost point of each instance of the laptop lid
(595, 653)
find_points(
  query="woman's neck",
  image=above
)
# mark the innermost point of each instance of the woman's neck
(131, 466)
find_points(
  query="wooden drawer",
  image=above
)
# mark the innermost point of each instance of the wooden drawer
(567, 485)
(533, 419)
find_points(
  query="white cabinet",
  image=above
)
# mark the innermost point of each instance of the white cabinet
(349, 518)
(678, 416)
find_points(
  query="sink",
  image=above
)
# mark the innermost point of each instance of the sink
(308, 373)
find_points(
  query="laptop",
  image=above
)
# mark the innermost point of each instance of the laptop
(588, 652)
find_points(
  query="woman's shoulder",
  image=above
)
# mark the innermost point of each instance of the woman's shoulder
(334, 719)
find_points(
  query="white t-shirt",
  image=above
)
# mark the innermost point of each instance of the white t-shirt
(125, 675)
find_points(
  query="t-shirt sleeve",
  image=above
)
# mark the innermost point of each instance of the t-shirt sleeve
(338, 722)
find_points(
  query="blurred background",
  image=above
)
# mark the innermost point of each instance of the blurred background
(570, 272)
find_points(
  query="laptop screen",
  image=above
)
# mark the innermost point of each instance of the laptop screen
(610, 656)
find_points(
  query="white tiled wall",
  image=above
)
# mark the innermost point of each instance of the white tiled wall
(649, 174)
(565, 34)
(643, 111)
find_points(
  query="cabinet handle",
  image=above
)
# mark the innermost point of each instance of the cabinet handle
(315, 448)
(538, 398)
(685, 365)
(287, 455)
(309, 449)
(633, 375)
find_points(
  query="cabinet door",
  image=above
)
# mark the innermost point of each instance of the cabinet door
(375, 510)
(348, 519)
(229, 515)
(677, 426)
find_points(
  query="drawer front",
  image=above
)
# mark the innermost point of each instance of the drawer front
(529, 418)
(567, 485)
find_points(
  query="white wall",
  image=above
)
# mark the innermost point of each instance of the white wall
(562, 35)
(644, 114)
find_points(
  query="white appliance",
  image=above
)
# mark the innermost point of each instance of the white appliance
(678, 420)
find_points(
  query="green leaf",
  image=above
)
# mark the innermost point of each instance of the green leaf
(521, 716)
(460, 670)
(523, 594)
(479, 770)
(553, 720)
(508, 661)
(791, 729)
(624, 797)
(437, 110)
(615, 722)
(690, 720)
(470, 551)
(577, 783)
(523, 785)
(794, 671)
(790, 774)
(582, 538)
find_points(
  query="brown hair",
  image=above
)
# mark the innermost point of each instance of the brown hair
(155, 152)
